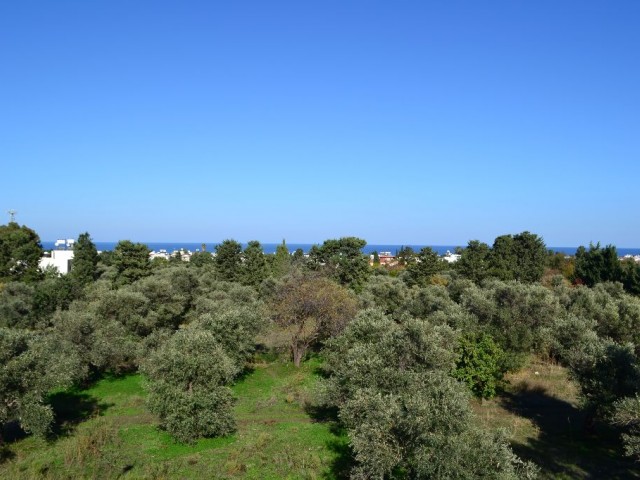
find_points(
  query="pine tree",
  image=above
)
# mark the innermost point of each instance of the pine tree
(254, 265)
(84, 268)
(228, 260)
(281, 261)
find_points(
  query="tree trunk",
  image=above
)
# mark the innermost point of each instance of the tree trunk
(298, 354)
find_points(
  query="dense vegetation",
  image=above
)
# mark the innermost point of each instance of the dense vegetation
(390, 357)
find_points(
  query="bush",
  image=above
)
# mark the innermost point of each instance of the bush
(480, 365)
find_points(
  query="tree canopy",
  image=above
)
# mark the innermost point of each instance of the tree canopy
(20, 253)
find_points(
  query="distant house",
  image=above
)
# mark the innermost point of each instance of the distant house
(451, 257)
(385, 259)
(60, 259)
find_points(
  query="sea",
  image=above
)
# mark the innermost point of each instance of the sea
(271, 247)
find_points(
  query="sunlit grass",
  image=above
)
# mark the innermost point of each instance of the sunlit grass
(276, 437)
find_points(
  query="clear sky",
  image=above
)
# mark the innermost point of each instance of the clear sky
(410, 122)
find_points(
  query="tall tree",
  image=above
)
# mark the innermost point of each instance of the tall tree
(254, 264)
(426, 264)
(342, 260)
(518, 257)
(200, 259)
(474, 262)
(531, 257)
(503, 258)
(84, 268)
(405, 255)
(281, 261)
(228, 260)
(20, 253)
(131, 261)
(597, 265)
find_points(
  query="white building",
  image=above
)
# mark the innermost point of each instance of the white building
(61, 259)
(451, 257)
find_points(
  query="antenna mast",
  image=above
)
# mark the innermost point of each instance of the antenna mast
(12, 216)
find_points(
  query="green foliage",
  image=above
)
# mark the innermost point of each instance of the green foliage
(187, 378)
(405, 415)
(631, 276)
(405, 255)
(342, 260)
(169, 294)
(298, 256)
(201, 259)
(519, 257)
(84, 268)
(20, 253)
(475, 261)
(615, 314)
(54, 293)
(31, 365)
(423, 266)
(514, 314)
(32, 305)
(235, 329)
(125, 306)
(425, 301)
(480, 365)
(386, 293)
(16, 305)
(254, 265)
(606, 373)
(228, 260)
(597, 265)
(131, 261)
(102, 344)
(627, 414)
(281, 261)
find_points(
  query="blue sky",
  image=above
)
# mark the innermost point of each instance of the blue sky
(407, 122)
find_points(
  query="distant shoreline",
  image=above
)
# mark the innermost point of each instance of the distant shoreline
(271, 247)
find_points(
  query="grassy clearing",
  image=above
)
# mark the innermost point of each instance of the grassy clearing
(540, 411)
(107, 433)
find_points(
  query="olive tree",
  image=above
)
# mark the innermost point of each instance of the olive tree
(627, 415)
(31, 365)
(186, 382)
(402, 409)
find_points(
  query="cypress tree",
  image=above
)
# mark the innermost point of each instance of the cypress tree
(84, 268)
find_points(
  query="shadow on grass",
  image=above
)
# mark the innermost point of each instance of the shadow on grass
(71, 408)
(246, 371)
(343, 460)
(6, 454)
(565, 447)
(10, 432)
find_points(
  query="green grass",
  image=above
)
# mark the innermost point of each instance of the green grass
(117, 438)
(106, 432)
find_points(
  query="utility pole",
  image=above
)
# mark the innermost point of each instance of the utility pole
(12, 216)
